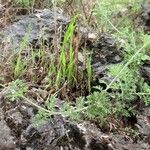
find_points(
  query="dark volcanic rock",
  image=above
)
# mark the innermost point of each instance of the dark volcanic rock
(123, 142)
(145, 71)
(104, 50)
(40, 25)
(145, 15)
(102, 46)
(59, 133)
(7, 141)
(143, 124)
(18, 132)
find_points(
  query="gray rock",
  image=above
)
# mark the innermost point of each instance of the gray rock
(105, 50)
(15, 117)
(40, 25)
(59, 133)
(145, 71)
(143, 122)
(145, 15)
(6, 139)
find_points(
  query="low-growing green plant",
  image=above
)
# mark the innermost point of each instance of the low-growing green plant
(98, 105)
(66, 110)
(144, 92)
(15, 90)
(24, 2)
(128, 83)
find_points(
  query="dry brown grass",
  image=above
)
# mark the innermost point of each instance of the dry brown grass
(82, 7)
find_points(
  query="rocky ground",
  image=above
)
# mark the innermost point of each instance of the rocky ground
(58, 133)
